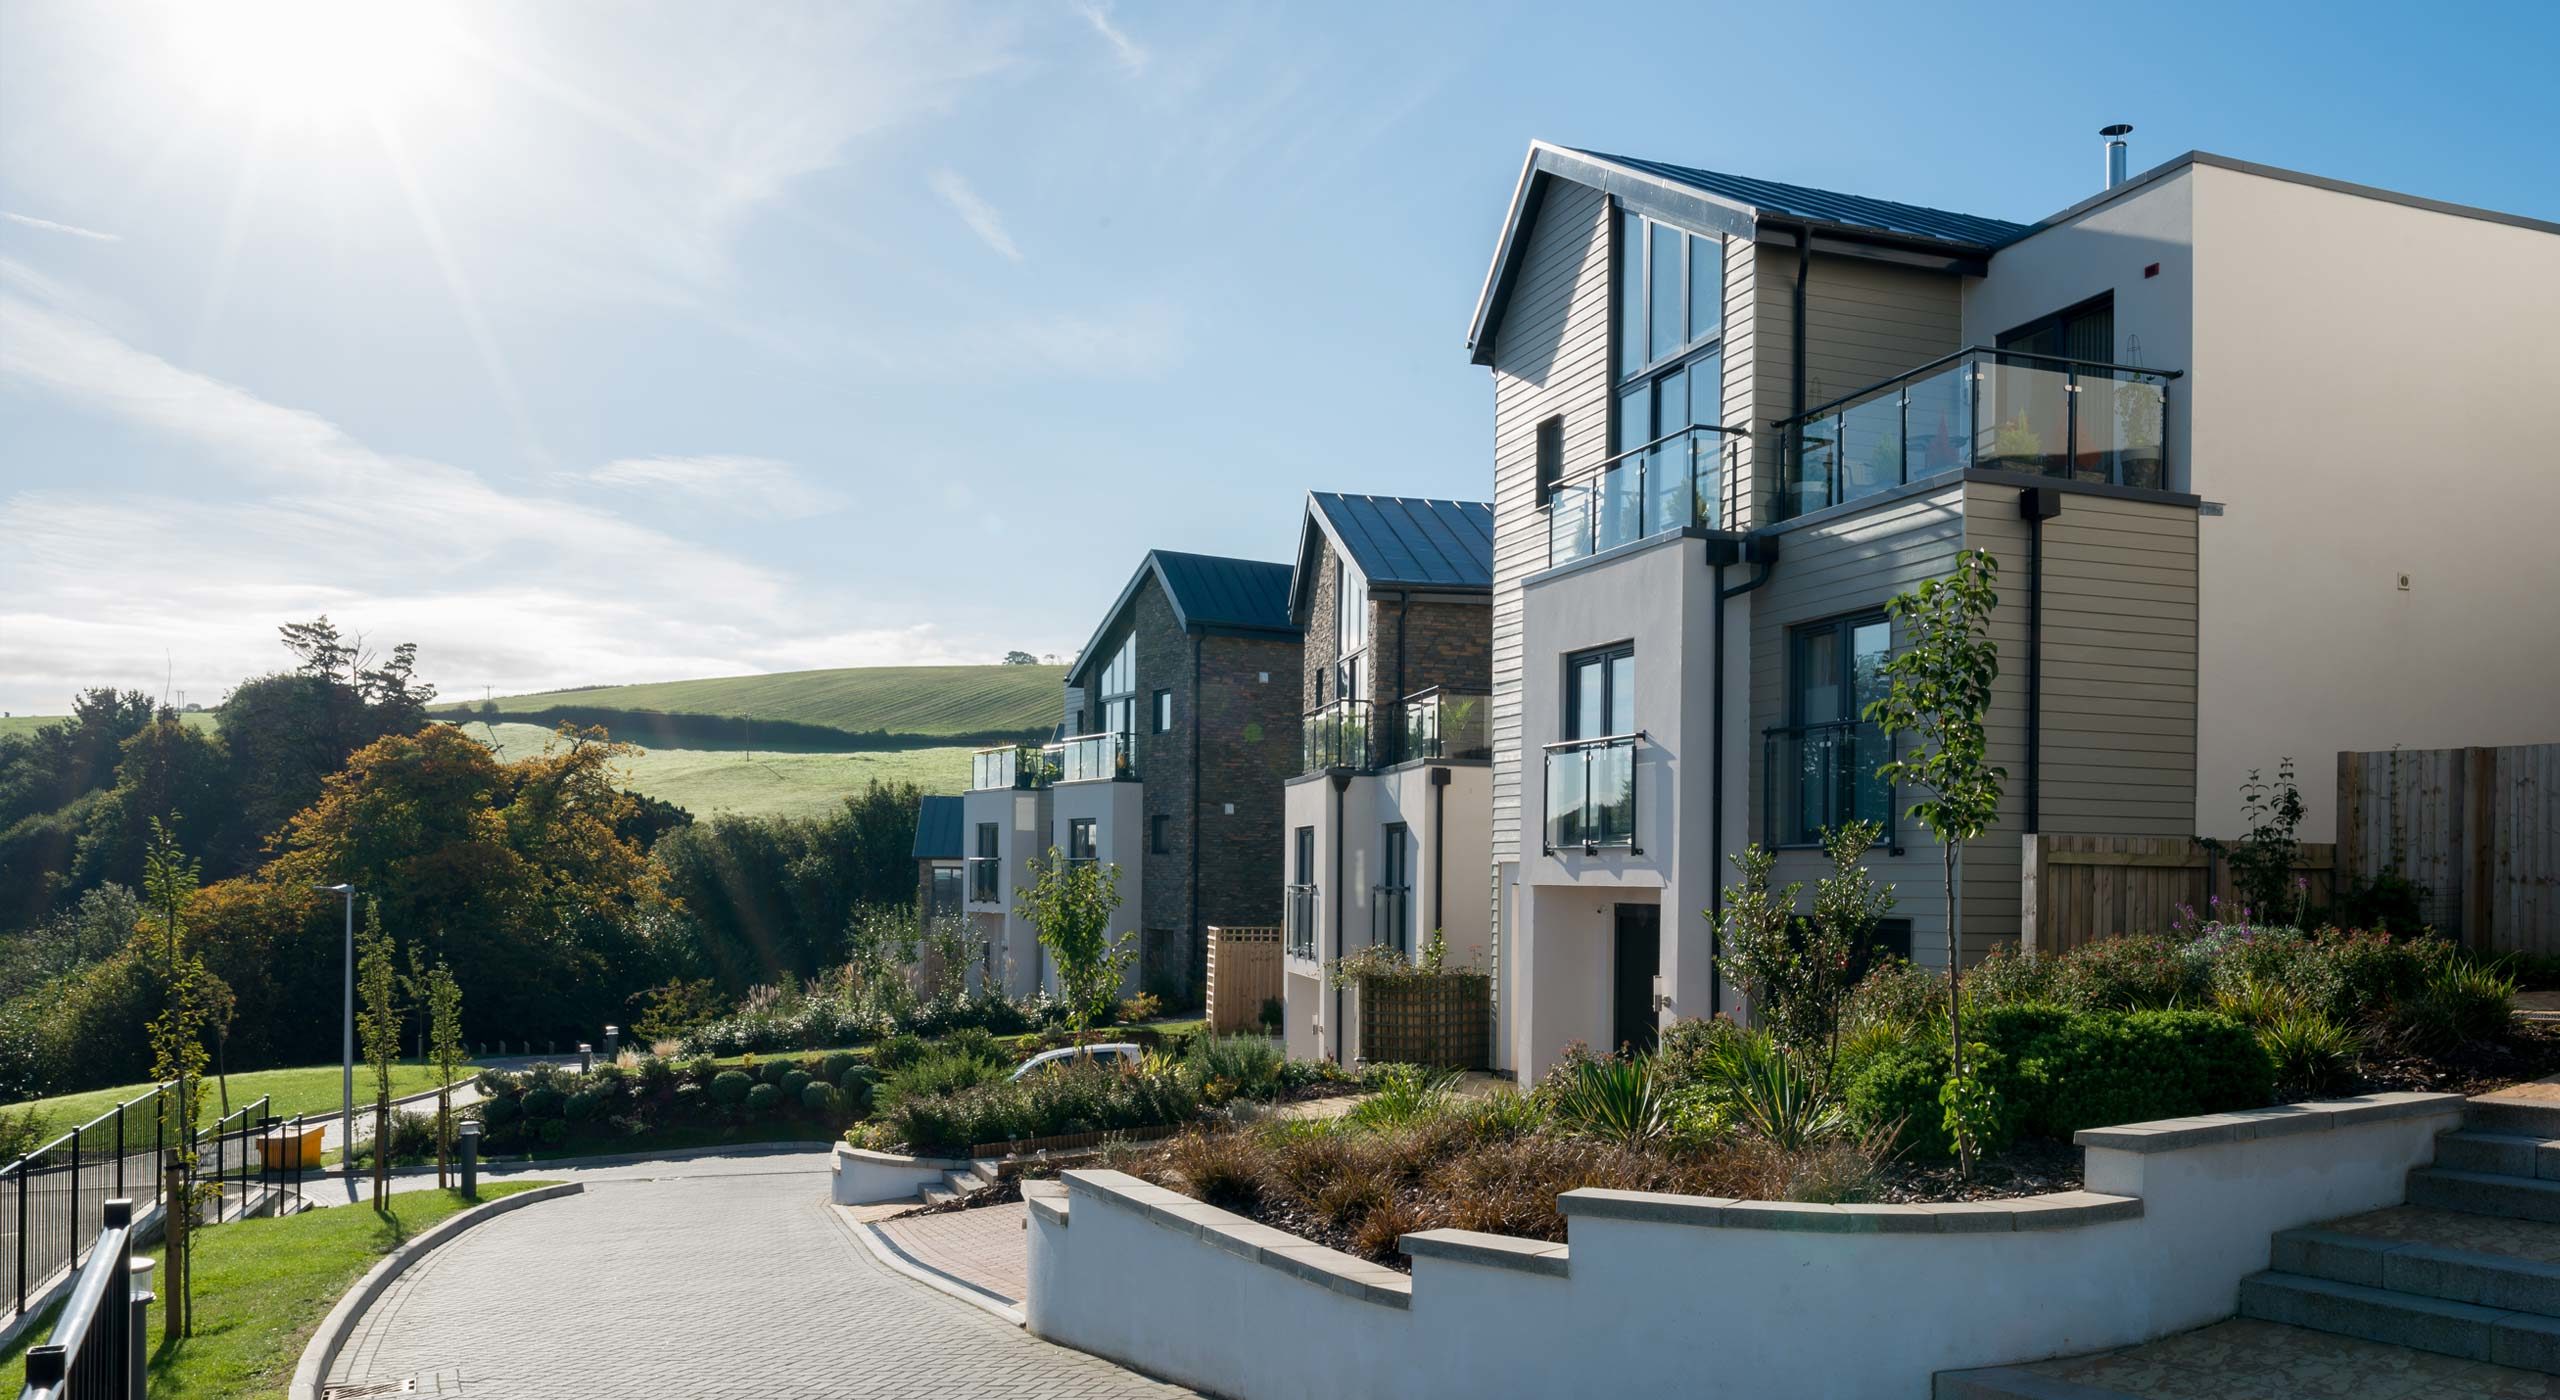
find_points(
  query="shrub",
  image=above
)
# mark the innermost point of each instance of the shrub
(794, 1082)
(1222, 1168)
(1504, 1113)
(1895, 1093)
(1902, 994)
(818, 1096)
(1247, 1066)
(656, 1075)
(774, 1071)
(502, 1110)
(553, 1131)
(2129, 974)
(544, 1103)
(1772, 1091)
(2312, 1054)
(763, 1098)
(898, 1052)
(833, 1067)
(1085, 1098)
(940, 1073)
(1614, 1100)
(2006, 979)
(1402, 1094)
(581, 1106)
(730, 1086)
(856, 1084)
(2460, 1002)
(1145, 1006)
(689, 1098)
(2064, 1072)
(1274, 1013)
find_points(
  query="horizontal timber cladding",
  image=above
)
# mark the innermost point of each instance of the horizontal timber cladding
(1551, 358)
(1444, 1021)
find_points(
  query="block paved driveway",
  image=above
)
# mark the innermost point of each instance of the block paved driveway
(705, 1279)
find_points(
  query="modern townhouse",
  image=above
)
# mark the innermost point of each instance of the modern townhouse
(1179, 724)
(2262, 456)
(1387, 835)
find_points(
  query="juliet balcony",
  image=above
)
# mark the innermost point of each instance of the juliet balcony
(1338, 735)
(1591, 794)
(2007, 410)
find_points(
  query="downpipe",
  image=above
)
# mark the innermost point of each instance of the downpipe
(1760, 550)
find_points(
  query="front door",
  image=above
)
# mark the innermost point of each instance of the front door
(1639, 957)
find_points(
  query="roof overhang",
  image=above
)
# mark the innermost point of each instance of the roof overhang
(1152, 567)
(1693, 209)
(1312, 522)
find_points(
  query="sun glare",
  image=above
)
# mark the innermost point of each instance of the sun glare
(313, 60)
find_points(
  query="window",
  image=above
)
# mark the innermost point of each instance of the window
(1119, 689)
(1670, 291)
(1550, 456)
(987, 840)
(1350, 628)
(1600, 694)
(1394, 917)
(944, 900)
(1823, 763)
(1160, 834)
(1300, 913)
(1163, 712)
(2083, 332)
(1080, 841)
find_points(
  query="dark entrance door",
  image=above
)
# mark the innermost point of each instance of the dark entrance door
(1639, 957)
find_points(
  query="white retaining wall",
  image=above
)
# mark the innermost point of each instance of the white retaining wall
(865, 1178)
(1695, 1296)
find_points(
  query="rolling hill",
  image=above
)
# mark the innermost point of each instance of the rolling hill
(870, 707)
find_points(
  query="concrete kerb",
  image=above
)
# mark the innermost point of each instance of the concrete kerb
(311, 1374)
(886, 1250)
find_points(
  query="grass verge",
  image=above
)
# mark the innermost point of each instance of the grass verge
(310, 1089)
(262, 1287)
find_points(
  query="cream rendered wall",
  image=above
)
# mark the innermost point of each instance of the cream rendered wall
(1021, 819)
(1120, 838)
(2373, 397)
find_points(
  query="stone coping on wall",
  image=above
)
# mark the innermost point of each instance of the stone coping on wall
(1325, 1267)
(2283, 1120)
(2059, 1211)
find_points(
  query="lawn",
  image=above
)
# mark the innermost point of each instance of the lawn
(755, 782)
(912, 700)
(310, 1089)
(262, 1286)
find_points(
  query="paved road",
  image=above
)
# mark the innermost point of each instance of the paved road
(698, 1280)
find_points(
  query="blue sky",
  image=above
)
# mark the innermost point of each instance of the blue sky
(589, 343)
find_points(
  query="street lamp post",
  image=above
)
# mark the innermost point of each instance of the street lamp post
(347, 1042)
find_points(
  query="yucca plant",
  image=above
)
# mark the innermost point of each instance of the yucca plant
(1776, 1096)
(1617, 1100)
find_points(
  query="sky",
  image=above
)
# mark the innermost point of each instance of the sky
(583, 343)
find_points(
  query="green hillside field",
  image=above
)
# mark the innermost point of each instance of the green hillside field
(751, 781)
(28, 724)
(876, 706)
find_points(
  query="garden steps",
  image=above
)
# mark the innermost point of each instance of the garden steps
(2469, 1267)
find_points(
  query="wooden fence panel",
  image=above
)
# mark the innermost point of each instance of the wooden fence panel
(1244, 972)
(2477, 830)
(2077, 889)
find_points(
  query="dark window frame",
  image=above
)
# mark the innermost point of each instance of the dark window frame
(1160, 710)
(1550, 456)
(1085, 832)
(1600, 656)
(1843, 626)
(1159, 834)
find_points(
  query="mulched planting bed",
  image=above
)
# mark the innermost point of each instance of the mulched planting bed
(2531, 1051)
(2026, 1169)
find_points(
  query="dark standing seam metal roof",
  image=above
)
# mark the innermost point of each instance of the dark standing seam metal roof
(1210, 591)
(1396, 542)
(1830, 206)
(1207, 591)
(938, 829)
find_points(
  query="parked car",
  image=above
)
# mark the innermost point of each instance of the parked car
(1119, 1055)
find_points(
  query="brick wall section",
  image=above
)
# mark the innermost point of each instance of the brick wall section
(1445, 644)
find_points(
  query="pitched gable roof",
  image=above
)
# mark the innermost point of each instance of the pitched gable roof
(1711, 202)
(1209, 593)
(1398, 542)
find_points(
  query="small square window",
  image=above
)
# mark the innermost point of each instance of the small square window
(1160, 834)
(1550, 457)
(1164, 711)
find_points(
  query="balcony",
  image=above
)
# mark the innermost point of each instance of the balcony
(1018, 766)
(1088, 757)
(1444, 723)
(1336, 736)
(1675, 482)
(1816, 776)
(986, 879)
(1391, 917)
(1591, 794)
(2002, 409)
(1298, 918)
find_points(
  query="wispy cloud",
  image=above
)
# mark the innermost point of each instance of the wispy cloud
(979, 215)
(1133, 56)
(290, 515)
(737, 485)
(49, 226)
